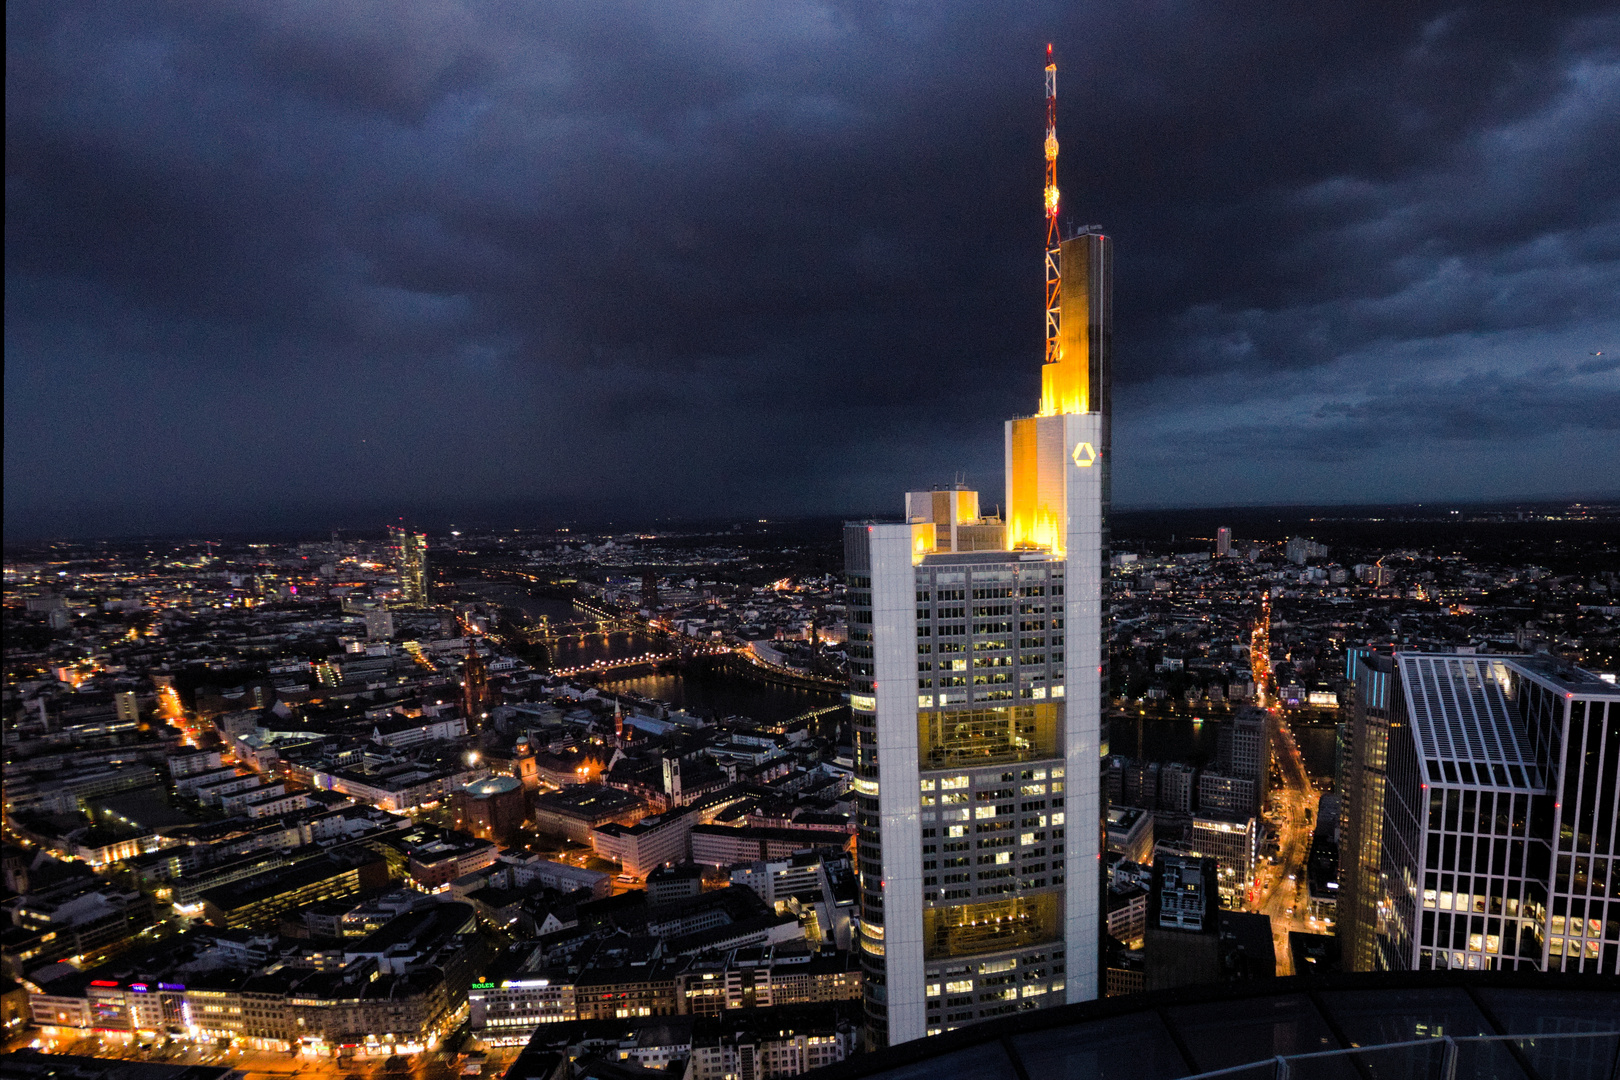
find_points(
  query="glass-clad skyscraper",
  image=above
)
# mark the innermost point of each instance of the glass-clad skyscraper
(977, 678)
(411, 552)
(1483, 795)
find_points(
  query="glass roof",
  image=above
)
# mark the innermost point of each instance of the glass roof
(1513, 1025)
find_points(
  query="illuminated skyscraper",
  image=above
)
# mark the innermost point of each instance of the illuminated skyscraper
(474, 686)
(410, 551)
(976, 682)
(1482, 799)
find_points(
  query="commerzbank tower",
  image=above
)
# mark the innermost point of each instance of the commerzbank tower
(977, 675)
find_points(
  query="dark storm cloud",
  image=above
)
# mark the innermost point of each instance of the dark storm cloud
(271, 259)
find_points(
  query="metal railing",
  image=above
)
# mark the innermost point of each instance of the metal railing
(1284, 1066)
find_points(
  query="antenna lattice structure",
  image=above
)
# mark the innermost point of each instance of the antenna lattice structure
(1053, 313)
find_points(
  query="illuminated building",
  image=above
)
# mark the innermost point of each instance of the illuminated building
(1182, 889)
(717, 1055)
(523, 763)
(648, 844)
(1225, 796)
(1244, 751)
(976, 682)
(384, 994)
(261, 901)
(1130, 833)
(575, 811)
(75, 921)
(410, 549)
(442, 859)
(768, 976)
(671, 884)
(1483, 796)
(576, 765)
(1127, 915)
(492, 808)
(609, 993)
(520, 870)
(1223, 541)
(505, 1011)
(474, 686)
(722, 845)
(1234, 844)
(641, 1038)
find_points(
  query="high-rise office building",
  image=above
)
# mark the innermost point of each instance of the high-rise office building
(1176, 787)
(1243, 752)
(410, 553)
(1482, 799)
(976, 681)
(474, 686)
(379, 624)
(1223, 541)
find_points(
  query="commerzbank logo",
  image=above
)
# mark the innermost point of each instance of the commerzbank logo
(1084, 455)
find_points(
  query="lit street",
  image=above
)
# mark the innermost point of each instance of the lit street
(265, 1063)
(1282, 891)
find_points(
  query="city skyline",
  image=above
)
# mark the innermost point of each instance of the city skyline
(263, 271)
(752, 800)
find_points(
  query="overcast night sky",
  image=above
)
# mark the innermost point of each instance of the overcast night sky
(319, 264)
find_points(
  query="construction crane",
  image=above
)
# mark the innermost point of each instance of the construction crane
(1053, 313)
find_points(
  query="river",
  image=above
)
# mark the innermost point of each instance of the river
(709, 690)
(704, 689)
(586, 647)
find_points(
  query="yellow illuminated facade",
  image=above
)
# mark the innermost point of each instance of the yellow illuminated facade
(990, 736)
(1069, 383)
(949, 520)
(1036, 500)
(1075, 382)
(969, 929)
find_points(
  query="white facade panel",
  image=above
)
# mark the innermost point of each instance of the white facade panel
(1082, 733)
(894, 662)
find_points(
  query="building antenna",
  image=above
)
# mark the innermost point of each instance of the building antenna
(1053, 239)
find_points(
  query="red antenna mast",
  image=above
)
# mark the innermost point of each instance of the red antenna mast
(1052, 239)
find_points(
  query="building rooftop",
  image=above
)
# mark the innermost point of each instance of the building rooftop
(493, 785)
(940, 558)
(1121, 818)
(587, 800)
(1461, 715)
(1568, 676)
(1514, 1025)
